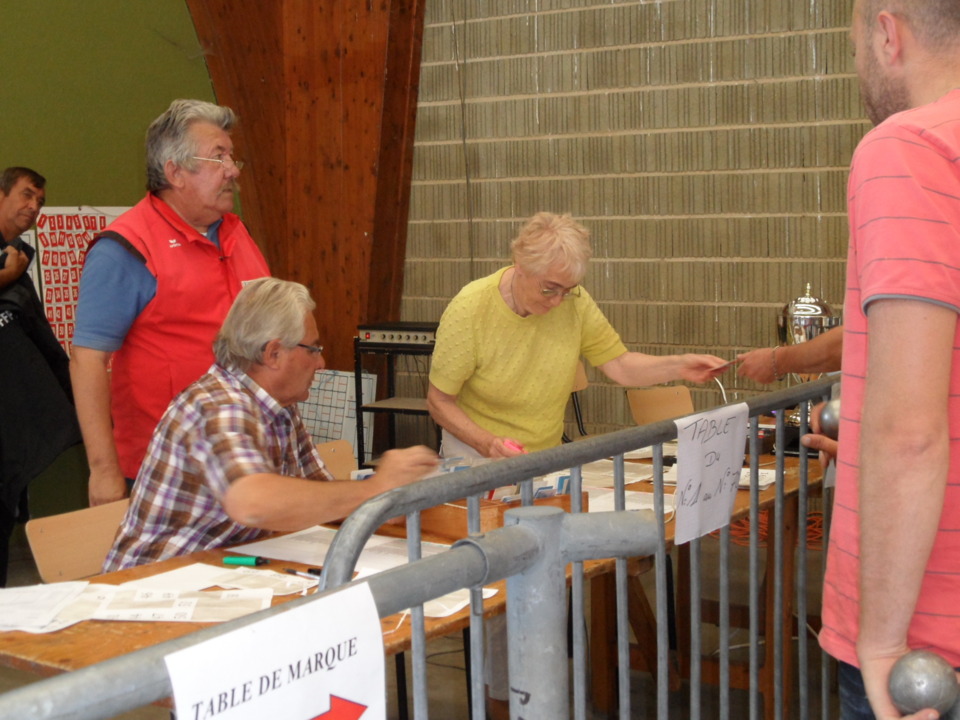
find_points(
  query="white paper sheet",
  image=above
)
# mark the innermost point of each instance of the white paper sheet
(310, 548)
(90, 601)
(602, 500)
(34, 607)
(190, 577)
(143, 605)
(276, 580)
(765, 477)
(709, 463)
(200, 576)
(322, 659)
(600, 473)
(452, 602)
(669, 450)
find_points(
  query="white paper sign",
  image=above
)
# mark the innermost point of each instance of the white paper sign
(322, 660)
(709, 459)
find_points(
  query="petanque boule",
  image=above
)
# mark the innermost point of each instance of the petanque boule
(922, 679)
(830, 418)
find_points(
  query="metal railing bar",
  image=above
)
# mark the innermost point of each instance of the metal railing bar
(357, 528)
(660, 568)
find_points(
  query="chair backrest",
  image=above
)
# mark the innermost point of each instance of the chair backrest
(338, 456)
(580, 381)
(73, 545)
(664, 402)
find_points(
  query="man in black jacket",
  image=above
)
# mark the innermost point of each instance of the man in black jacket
(37, 419)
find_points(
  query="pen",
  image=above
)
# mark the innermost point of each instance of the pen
(245, 560)
(308, 576)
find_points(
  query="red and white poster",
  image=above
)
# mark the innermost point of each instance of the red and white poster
(62, 237)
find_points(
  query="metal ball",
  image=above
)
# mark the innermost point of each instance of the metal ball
(922, 679)
(830, 418)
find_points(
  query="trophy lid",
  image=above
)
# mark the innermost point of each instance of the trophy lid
(807, 306)
(803, 318)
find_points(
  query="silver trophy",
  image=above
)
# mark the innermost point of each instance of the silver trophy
(800, 320)
(803, 319)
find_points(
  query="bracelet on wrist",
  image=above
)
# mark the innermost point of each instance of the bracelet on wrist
(773, 357)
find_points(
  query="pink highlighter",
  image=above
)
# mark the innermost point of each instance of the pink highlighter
(514, 446)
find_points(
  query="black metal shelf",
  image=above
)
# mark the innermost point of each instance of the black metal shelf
(391, 405)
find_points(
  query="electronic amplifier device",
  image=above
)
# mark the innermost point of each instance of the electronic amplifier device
(397, 333)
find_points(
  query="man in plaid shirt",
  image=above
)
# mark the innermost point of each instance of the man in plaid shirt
(231, 460)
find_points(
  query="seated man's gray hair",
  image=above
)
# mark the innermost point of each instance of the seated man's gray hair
(266, 309)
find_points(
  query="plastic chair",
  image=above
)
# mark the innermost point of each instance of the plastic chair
(663, 402)
(73, 545)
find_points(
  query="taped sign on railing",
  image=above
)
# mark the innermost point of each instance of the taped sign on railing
(322, 660)
(709, 459)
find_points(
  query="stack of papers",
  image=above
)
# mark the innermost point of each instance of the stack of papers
(168, 597)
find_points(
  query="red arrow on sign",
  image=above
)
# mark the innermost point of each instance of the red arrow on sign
(341, 709)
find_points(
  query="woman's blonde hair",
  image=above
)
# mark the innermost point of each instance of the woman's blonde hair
(548, 240)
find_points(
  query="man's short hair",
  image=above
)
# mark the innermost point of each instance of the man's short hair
(11, 176)
(168, 137)
(935, 23)
(266, 309)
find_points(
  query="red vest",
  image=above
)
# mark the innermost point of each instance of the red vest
(170, 344)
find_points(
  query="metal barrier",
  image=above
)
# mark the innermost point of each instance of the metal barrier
(531, 552)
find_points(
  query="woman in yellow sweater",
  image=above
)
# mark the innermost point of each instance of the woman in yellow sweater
(508, 345)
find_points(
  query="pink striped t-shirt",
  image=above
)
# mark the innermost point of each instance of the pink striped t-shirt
(903, 201)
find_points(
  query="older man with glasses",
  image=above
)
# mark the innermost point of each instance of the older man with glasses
(231, 460)
(156, 285)
(508, 346)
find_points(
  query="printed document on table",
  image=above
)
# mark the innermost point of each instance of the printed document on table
(200, 576)
(646, 453)
(35, 606)
(454, 602)
(88, 601)
(310, 548)
(765, 477)
(599, 473)
(602, 500)
(173, 606)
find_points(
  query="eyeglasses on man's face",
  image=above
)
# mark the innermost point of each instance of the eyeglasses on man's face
(552, 292)
(312, 349)
(224, 160)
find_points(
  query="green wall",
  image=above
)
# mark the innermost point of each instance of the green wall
(82, 79)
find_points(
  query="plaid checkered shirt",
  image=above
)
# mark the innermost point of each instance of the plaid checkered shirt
(220, 429)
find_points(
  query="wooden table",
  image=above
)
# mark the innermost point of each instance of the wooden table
(93, 641)
(643, 619)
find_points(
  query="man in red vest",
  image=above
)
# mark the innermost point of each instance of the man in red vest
(156, 286)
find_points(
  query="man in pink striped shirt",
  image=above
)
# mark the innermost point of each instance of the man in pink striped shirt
(893, 568)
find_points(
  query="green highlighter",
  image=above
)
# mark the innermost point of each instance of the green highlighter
(244, 560)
